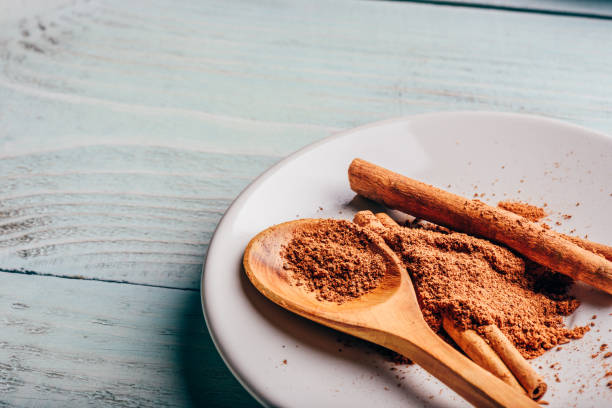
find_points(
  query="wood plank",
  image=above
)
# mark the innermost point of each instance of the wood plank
(28, 8)
(126, 131)
(70, 210)
(82, 343)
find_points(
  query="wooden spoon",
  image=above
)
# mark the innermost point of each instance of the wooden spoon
(389, 316)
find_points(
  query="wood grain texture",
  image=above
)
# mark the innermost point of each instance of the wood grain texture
(80, 343)
(132, 126)
(71, 210)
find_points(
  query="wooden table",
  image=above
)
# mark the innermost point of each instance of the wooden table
(128, 127)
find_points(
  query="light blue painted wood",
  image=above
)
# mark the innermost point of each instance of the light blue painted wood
(61, 219)
(127, 131)
(80, 343)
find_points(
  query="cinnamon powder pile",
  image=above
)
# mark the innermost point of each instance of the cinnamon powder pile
(472, 280)
(478, 283)
(334, 260)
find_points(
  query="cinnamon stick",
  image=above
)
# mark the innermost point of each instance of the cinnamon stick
(480, 352)
(474, 217)
(533, 383)
(387, 221)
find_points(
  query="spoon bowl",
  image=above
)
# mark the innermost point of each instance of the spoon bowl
(389, 315)
(264, 267)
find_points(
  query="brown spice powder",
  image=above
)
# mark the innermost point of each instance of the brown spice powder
(531, 212)
(334, 260)
(473, 280)
(479, 283)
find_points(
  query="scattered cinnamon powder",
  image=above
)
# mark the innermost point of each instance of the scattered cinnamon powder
(334, 260)
(531, 212)
(479, 283)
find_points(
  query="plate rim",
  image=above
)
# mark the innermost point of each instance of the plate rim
(243, 195)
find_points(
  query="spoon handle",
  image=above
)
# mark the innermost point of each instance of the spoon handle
(475, 384)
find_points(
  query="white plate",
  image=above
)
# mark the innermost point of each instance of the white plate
(505, 156)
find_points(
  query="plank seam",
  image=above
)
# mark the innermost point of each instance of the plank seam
(510, 8)
(123, 282)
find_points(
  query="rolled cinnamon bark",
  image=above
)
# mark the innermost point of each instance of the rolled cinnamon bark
(480, 352)
(385, 220)
(533, 383)
(474, 217)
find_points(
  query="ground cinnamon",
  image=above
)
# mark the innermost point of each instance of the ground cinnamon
(531, 212)
(478, 283)
(334, 261)
(475, 282)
